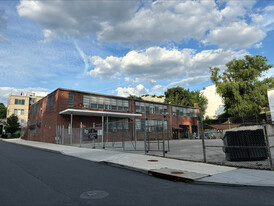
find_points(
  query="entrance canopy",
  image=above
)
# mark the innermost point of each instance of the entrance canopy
(81, 112)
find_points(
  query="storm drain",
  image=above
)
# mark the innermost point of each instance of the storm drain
(94, 194)
(152, 160)
(177, 173)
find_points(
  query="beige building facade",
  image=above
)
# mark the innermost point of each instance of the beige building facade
(19, 105)
(215, 105)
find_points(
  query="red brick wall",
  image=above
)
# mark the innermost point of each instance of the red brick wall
(51, 117)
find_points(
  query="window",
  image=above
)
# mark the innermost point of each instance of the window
(20, 101)
(22, 121)
(32, 101)
(71, 100)
(50, 101)
(19, 111)
(104, 103)
(34, 110)
(32, 128)
(41, 106)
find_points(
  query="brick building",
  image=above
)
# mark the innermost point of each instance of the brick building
(69, 107)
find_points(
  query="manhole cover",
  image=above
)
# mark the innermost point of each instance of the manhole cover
(153, 160)
(94, 194)
(177, 173)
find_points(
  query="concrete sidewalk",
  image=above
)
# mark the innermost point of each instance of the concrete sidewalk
(163, 167)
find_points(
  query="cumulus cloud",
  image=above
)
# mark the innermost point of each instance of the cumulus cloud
(189, 81)
(236, 35)
(77, 18)
(156, 63)
(164, 21)
(139, 90)
(6, 91)
(152, 21)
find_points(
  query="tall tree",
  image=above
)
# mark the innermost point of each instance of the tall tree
(12, 124)
(241, 85)
(185, 97)
(3, 111)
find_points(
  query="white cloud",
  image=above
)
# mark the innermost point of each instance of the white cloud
(157, 87)
(135, 80)
(164, 21)
(139, 90)
(268, 16)
(189, 81)
(6, 91)
(236, 35)
(156, 63)
(151, 21)
(77, 18)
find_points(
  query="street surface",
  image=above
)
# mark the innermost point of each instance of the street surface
(35, 177)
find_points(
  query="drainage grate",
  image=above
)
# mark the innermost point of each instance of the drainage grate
(177, 173)
(152, 160)
(94, 194)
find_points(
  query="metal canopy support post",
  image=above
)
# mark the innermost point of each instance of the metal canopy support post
(71, 118)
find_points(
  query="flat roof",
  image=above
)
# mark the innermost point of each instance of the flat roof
(81, 112)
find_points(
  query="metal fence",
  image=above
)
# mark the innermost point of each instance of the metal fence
(157, 140)
(125, 136)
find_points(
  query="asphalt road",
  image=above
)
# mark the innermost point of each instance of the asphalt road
(35, 177)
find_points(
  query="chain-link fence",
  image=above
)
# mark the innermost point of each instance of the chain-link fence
(240, 145)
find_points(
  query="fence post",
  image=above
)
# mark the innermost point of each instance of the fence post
(145, 134)
(81, 134)
(163, 136)
(63, 134)
(267, 145)
(203, 134)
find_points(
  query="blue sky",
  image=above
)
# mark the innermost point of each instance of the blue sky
(126, 47)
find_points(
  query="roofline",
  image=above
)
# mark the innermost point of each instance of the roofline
(113, 96)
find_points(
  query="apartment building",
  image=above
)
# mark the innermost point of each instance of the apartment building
(72, 109)
(19, 105)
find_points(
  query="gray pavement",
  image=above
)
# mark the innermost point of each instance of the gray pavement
(32, 176)
(207, 173)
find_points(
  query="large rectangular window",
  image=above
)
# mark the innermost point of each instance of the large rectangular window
(184, 111)
(105, 103)
(71, 100)
(19, 111)
(34, 110)
(150, 108)
(152, 125)
(50, 101)
(20, 101)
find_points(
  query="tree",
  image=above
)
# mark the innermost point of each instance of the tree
(133, 97)
(185, 97)
(3, 111)
(12, 124)
(240, 86)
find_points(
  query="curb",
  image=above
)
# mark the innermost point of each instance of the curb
(33, 147)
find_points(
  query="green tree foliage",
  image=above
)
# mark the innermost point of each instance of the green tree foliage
(241, 85)
(12, 124)
(133, 97)
(185, 97)
(3, 111)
